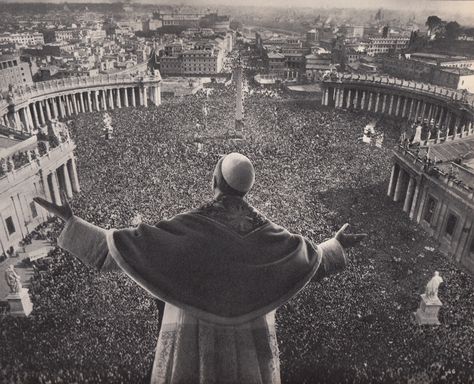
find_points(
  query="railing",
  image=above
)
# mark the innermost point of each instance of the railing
(445, 177)
(37, 162)
(403, 84)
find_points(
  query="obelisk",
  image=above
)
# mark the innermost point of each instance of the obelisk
(239, 107)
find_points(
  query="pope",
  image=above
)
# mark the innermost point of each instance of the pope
(223, 269)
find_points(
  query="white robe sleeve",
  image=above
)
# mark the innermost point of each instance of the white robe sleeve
(88, 243)
(333, 258)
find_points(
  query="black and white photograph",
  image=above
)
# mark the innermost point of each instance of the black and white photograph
(236, 192)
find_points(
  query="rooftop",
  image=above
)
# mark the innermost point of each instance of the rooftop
(273, 55)
(437, 56)
(453, 149)
(460, 71)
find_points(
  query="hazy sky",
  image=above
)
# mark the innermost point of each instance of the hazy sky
(442, 5)
(463, 8)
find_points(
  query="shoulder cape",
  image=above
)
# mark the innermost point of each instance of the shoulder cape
(225, 263)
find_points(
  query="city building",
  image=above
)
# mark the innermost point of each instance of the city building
(24, 39)
(316, 65)
(442, 60)
(61, 35)
(151, 25)
(276, 64)
(385, 45)
(14, 72)
(446, 76)
(312, 36)
(354, 31)
(201, 62)
(192, 61)
(180, 19)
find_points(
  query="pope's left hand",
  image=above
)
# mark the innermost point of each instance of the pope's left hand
(349, 240)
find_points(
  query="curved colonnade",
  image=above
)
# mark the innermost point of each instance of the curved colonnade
(448, 113)
(28, 108)
(436, 193)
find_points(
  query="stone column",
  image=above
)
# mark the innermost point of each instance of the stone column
(430, 111)
(410, 113)
(336, 98)
(35, 115)
(399, 185)
(55, 107)
(95, 101)
(393, 178)
(29, 116)
(125, 97)
(390, 107)
(440, 119)
(67, 181)
(104, 99)
(377, 100)
(362, 102)
(111, 99)
(134, 103)
(356, 99)
(89, 101)
(24, 120)
(119, 97)
(384, 103)
(55, 192)
(67, 105)
(81, 100)
(63, 106)
(415, 199)
(144, 94)
(369, 106)
(157, 91)
(456, 126)
(48, 110)
(409, 195)
(41, 113)
(73, 174)
(419, 210)
(72, 103)
(404, 109)
(423, 111)
(349, 98)
(417, 113)
(17, 121)
(447, 123)
(31, 121)
(62, 111)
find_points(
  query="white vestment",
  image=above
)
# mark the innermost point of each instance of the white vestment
(190, 350)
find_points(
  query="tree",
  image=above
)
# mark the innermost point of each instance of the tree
(453, 29)
(434, 23)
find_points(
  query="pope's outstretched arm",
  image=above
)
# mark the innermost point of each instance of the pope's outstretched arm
(84, 240)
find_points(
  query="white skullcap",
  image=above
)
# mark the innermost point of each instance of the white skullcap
(238, 172)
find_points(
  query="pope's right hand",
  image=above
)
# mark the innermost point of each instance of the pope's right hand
(64, 211)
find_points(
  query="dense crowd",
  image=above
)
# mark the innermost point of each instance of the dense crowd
(313, 174)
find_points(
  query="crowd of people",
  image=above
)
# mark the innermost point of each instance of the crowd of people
(313, 173)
